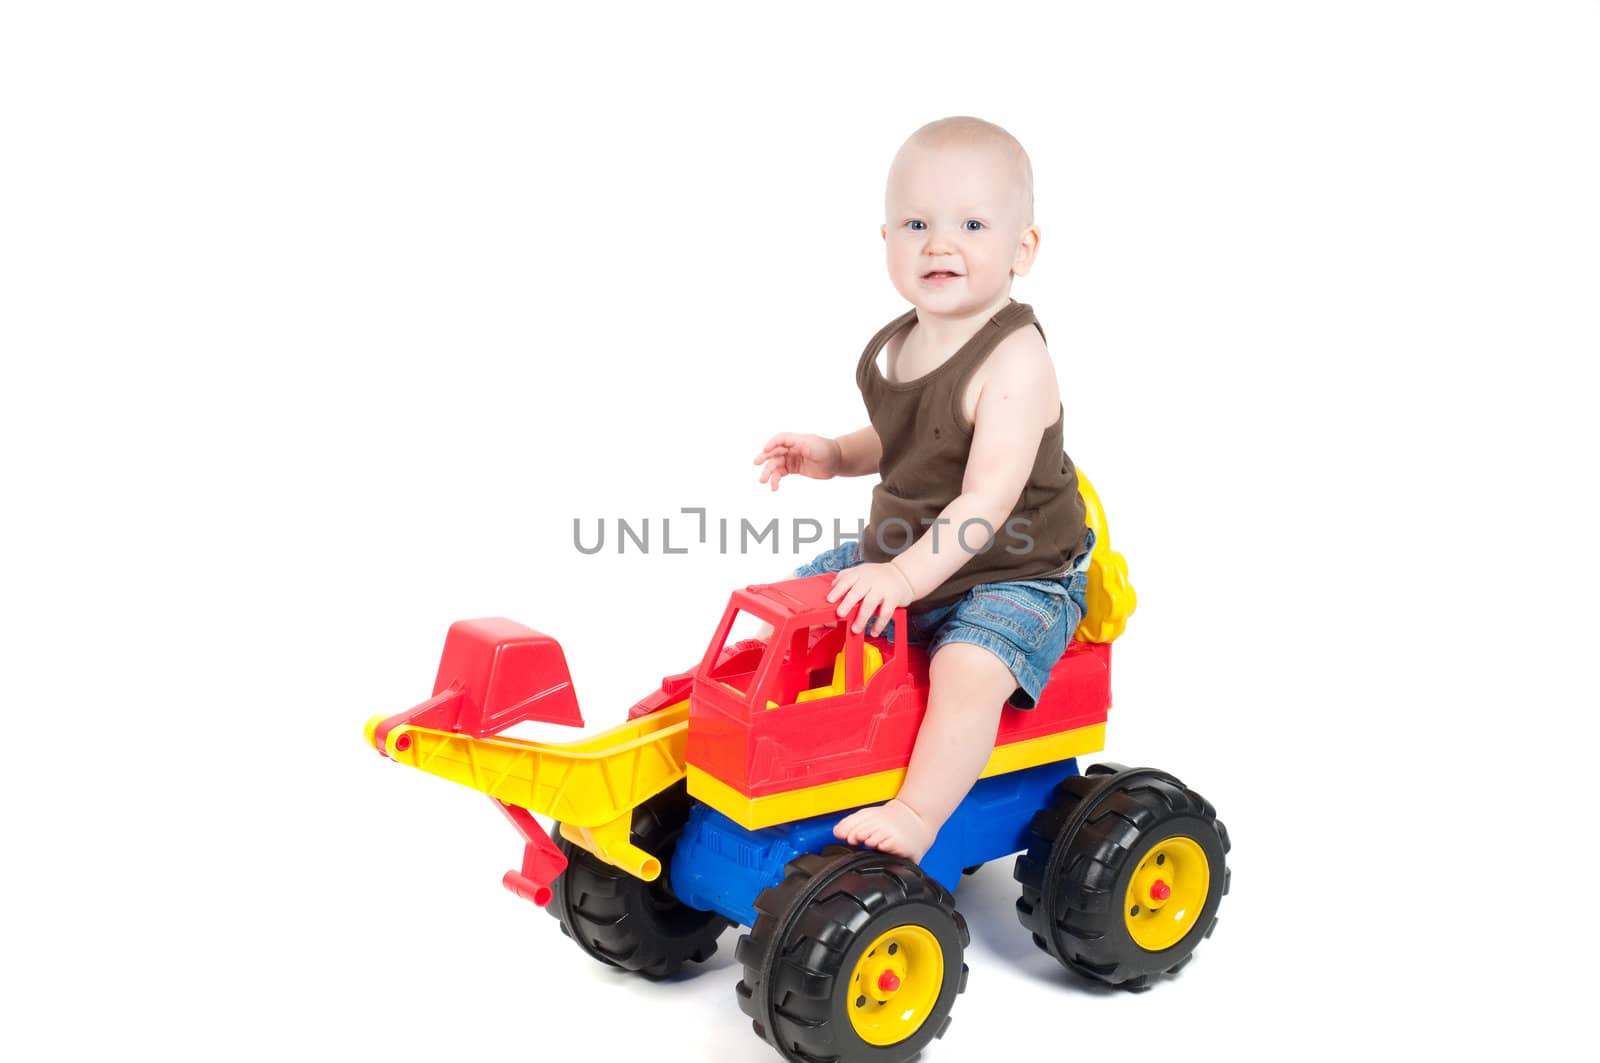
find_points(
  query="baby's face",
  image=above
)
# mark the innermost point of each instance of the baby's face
(957, 227)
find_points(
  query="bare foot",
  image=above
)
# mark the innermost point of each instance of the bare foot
(894, 827)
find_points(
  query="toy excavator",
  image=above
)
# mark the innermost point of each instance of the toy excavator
(714, 804)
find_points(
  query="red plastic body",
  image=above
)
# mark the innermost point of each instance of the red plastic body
(674, 688)
(869, 728)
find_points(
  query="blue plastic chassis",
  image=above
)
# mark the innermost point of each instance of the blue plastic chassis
(722, 867)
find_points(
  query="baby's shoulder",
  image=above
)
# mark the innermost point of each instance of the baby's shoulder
(1021, 357)
(1019, 365)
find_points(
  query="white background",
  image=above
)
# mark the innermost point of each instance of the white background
(322, 322)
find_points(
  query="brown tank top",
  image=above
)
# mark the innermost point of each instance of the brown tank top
(926, 440)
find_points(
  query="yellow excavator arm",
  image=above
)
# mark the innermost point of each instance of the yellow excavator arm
(590, 786)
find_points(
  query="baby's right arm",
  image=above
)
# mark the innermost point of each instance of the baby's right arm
(860, 452)
(818, 457)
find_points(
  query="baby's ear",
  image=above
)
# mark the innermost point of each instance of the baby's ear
(1027, 251)
(883, 230)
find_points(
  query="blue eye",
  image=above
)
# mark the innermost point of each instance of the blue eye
(972, 225)
(917, 226)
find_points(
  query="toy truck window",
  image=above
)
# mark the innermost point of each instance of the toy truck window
(809, 661)
(816, 663)
(738, 657)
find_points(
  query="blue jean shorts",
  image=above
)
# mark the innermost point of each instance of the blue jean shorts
(1025, 622)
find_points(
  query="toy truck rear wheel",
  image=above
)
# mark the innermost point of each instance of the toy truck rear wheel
(854, 957)
(626, 922)
(1124, 875)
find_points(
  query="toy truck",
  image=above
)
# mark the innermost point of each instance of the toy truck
(714, 804)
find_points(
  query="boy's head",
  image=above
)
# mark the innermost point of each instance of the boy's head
(959, 215)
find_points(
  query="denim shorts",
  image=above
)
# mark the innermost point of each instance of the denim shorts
(1025, 622)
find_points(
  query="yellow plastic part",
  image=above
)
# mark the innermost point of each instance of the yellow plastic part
(896, 984)
(871, 661)
(1166, 893)
(753, 813)
(591, 786)
(612, 842)
(1110, 598)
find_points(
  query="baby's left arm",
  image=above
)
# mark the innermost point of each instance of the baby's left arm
(1018, 402)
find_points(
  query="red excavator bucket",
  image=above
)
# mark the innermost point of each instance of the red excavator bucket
(494, 673)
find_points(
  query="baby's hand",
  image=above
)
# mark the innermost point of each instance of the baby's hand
(880, 588)
(787, 452)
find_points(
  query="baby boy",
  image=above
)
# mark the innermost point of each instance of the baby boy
(976, 526)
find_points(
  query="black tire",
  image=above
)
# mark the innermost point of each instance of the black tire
(813, 930)
(628, 923)
(1099, 831)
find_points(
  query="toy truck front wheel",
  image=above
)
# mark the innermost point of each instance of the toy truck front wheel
(854, 957)
(628, 923)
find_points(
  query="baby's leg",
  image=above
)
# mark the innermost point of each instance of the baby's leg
(967, 687)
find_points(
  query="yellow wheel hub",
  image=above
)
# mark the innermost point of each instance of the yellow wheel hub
(1166, 893)
(895, 985)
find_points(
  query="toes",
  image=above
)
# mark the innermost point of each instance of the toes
(854, 825)
(871, 827)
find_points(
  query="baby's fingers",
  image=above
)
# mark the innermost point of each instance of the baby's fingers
(842, 582)
(780, 442)
(851, 598)
(870, 605)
